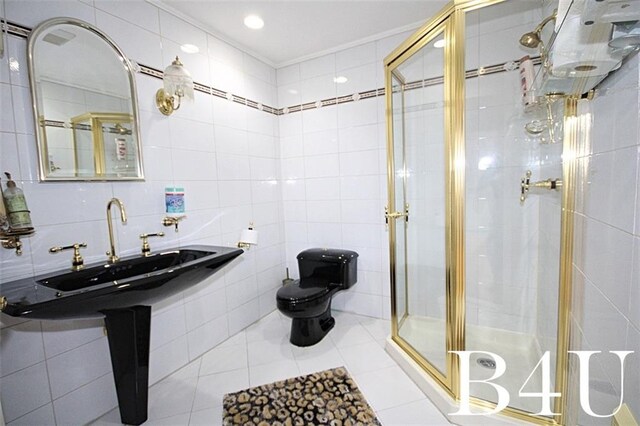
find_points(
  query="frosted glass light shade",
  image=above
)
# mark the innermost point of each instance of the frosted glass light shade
(177, 80)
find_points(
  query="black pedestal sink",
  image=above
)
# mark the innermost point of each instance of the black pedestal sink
(121, 293)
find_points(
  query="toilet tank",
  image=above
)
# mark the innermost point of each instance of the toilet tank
(320, 266)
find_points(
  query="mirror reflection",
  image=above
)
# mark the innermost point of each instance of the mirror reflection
(85, 104)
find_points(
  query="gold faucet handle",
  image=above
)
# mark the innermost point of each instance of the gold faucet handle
(146, 248)
(78, 261)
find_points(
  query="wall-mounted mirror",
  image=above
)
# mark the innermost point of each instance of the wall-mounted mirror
(85, 105)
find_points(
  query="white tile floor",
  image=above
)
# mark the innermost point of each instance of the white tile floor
(262, 354)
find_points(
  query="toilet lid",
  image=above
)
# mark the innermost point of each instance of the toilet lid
(295, 293)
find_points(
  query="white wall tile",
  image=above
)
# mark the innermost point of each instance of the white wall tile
(322, 166)
(318, 66)
(359, 138)
(19, 70)
(62, 336)
(359, 163)
(21, 347)
(634, 296)
(41, 416)
(259, 69)
(32, 16)
(147, 48)
(181, 32)
(608, 256)
(167, 359)
(356, 56)
(319, 119)
(80, 366)
(9, 155)
(227, 113)
(359, 79)
(288, 75)
(144, 15)
(357, 113)
(323, 189)
(323, 211)
(34, 378)
(243, 316)
(87, 403)
(318, 88)
(606, 202)
(225, 53)
(207, 336)
(22, 109)
(231, 141)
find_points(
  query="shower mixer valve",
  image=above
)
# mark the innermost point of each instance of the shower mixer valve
(526, 185)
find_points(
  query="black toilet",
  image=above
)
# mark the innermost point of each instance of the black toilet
(323, 273)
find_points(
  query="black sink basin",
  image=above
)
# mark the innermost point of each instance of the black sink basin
(121, 293)
(132, 281)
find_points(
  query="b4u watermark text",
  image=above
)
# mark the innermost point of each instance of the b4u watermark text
(546, 395)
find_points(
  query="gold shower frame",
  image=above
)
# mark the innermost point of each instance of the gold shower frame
(451, 22)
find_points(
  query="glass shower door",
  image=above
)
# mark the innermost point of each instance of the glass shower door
(417, 216)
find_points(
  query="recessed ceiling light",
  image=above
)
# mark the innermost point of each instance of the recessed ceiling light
(189, 48)
(340, 79)
(293, 91)
(254, 22)
(439, 44)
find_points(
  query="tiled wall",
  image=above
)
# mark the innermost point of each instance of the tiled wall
(606, 306)
(225, 155)
(334, 167)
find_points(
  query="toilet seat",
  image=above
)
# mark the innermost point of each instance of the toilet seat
(295, 293)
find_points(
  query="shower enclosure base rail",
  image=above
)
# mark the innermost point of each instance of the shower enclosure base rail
(438, 396)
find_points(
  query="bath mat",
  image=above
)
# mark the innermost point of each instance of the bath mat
(328, 397)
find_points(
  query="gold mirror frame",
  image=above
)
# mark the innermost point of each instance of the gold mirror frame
(451, 21)
(44, 168)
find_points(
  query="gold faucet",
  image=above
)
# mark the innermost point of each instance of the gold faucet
(123, 216)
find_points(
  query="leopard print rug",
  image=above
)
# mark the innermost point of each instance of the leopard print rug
(329, 397)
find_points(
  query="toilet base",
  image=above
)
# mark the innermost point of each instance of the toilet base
(309, 331)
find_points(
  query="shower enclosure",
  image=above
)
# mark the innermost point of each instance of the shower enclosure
(475, 254)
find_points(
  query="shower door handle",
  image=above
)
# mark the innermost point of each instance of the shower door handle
(396, 215)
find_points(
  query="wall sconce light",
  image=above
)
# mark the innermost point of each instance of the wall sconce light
(178, 84)
(248, 237)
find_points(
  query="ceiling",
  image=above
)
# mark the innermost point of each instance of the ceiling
(296, 30)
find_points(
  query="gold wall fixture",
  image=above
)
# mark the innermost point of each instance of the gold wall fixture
(173, 221)
(178, 84)
(449, 23)
(533, 38)
(12, 243)
(526, 185)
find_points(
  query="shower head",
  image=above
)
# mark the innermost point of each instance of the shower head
(532, 39)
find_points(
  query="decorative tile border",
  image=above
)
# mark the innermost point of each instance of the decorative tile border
(20, 31)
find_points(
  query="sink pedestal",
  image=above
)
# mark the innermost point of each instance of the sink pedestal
(128, 332)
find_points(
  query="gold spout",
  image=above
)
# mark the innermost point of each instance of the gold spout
(172, 221)
(123, 216)
(3, 303)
